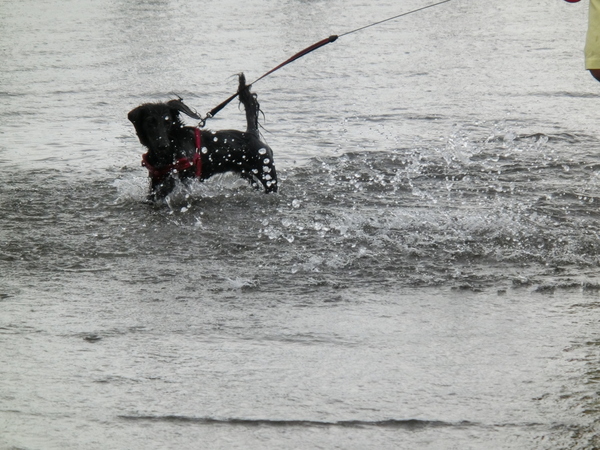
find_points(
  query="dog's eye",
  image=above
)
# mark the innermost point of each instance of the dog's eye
(167, 119)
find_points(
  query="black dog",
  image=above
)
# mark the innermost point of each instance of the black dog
(176, 151)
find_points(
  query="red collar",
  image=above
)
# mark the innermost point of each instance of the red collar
(159, 174)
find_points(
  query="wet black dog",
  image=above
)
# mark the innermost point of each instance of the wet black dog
(176, 151)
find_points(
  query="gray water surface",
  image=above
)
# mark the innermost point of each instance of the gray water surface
(427, 276)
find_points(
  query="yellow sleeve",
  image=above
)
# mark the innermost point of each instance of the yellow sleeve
(592, 42)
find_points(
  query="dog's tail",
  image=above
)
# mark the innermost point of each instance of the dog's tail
(251, 105)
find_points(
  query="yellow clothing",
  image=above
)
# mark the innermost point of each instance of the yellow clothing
(592, 42)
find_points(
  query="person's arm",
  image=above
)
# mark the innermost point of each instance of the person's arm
(591, 38)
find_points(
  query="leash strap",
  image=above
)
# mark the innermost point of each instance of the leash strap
(197, 161)
(300, 54)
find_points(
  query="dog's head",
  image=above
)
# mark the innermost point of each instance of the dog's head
(156, 124)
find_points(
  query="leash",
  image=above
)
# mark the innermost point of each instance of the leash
(307, 50)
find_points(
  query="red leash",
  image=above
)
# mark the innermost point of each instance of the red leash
(298, 55)
(197, 156)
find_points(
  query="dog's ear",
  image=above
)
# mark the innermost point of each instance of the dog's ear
(136, 116)
(178, 105)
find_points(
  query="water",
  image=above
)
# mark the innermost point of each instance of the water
(427, 277)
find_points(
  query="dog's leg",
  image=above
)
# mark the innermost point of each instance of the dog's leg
(159, 189)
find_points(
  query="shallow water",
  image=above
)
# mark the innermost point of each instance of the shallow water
(427, 277)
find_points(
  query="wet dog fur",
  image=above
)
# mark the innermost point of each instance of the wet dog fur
(160, 129)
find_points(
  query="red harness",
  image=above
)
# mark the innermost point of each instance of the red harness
(159, 174)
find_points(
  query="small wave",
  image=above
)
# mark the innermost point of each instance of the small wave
(565, 94)
(77, 268)
(409, 424)
(568, 285)
(242, 284)
(132, 189)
